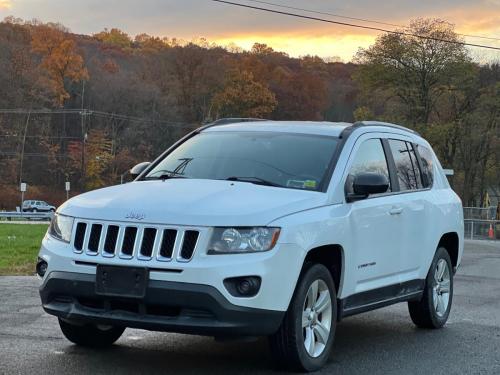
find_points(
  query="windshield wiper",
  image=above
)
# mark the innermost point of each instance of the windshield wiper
(253, 180)
(165, 174)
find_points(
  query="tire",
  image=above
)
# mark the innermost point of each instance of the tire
(34, 210)
(433, 309)
(288, 344)
(90, 335)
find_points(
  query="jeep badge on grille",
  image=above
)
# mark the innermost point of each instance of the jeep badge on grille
(135, 215)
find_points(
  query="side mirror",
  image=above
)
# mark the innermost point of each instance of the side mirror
(368, 183)
(139, 168)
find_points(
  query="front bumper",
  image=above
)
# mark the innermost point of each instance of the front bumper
(168, 306)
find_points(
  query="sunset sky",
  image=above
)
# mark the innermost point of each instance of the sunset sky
(188, 19)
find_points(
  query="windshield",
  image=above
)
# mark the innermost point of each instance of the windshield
(286, 160)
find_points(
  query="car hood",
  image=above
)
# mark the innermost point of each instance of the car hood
(192, 202)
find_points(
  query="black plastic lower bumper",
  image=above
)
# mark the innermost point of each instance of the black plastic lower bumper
(167, 306)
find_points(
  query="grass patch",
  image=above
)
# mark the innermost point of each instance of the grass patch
(19, 246)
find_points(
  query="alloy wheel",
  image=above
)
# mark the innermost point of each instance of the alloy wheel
(317, 318)
(441, 288)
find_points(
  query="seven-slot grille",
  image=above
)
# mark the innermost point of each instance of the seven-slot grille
(135, 241)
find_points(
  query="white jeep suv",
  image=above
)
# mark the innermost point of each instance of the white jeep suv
(259, 228)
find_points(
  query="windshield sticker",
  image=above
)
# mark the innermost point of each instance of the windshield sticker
(302, 184)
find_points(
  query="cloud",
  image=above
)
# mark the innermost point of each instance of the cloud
(5, 4)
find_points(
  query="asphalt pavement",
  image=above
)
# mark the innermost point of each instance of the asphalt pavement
(378, 342)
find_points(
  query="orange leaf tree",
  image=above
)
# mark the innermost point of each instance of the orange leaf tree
(60, 61)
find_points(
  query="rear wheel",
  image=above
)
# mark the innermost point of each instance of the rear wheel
(306, 335)
(433, 309)
(90, 335)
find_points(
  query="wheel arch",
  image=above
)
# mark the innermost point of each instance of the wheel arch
(450, 241)
(332, 257)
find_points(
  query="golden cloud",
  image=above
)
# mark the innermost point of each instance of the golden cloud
(5, 4)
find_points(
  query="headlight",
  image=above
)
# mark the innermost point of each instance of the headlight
(61, 227)
(243, 240)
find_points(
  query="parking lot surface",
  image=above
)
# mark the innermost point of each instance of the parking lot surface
(379, 342)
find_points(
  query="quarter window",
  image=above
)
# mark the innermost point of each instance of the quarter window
(370, 157)
(427, 165)
(407, 178)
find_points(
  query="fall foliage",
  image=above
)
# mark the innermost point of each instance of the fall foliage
(92, 106)
(242, 96)
(60, 59)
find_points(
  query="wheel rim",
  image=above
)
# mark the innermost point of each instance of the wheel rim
(317, 318)
(441, 289)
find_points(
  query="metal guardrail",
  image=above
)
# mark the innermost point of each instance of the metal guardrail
(25, 215)
(476, 229)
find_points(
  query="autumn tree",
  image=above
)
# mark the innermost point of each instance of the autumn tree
(412, 69)
(148, 43)
(60, 59)
(261, 49)
(242, 96)
(97, 158)
(114, 37)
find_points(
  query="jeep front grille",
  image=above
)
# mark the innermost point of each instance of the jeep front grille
(80, 235)
(135, 241)
(190, 239)
(167, 243)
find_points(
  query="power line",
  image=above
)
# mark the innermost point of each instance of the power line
(39, 136)
(91, 112)
(356, 18)
(355, 25)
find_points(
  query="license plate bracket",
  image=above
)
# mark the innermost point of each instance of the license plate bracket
(118, 281)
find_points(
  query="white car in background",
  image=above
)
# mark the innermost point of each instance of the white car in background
(260, 228)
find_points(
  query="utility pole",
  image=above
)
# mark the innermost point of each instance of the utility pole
(82, 114)
(22, 147)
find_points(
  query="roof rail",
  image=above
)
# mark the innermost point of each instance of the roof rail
(232, 120)
(386, 124)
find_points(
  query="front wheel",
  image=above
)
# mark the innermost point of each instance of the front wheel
(90, 335)
(305, 337)
(433, 309)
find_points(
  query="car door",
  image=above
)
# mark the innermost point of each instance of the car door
(374, 224)
(414, 203)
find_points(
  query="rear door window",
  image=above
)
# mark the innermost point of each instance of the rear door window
(416, 167)
(407, 178)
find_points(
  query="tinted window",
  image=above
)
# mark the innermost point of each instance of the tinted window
(370, 157)
(427, 165)
(404, 166)
(416, 168)
(289, 160)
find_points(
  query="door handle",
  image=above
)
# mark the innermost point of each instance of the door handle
(395, 210)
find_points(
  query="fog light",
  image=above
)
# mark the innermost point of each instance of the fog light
(41, 267)
(245, 286)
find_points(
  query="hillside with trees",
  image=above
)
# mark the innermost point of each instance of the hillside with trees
(85, 108)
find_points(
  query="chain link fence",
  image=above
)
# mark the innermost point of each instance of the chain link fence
(481, 223)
